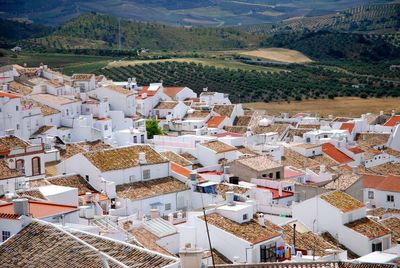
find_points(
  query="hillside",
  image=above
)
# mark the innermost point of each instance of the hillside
(215, 13)
(104, 31)
(335, 45)
(372, 18)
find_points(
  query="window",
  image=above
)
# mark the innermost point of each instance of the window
(105, 127)
(134, 139)
(308, 140)
(5, 235)
(377, 246)
(35, 166)
(168, 206)
(17, 126)
(20, 164)
(131, 178)
(146, 174)
(17, 108)
(264, 175)
(390, 198)
(268, 253)
(87, 177)
(142, 138)
(325, 136)
(278, 174)
(271, 175)
(245, 216)
(370, 194)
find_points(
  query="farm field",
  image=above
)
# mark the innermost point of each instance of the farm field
(278, 54)
(341, 106)
(218, 63)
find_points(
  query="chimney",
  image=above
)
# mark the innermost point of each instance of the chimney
(191, 257)
(142, 158)
(355, 170)
(381, 113)
(154, 213)
(280, 189)
(21, 207)
(322, 169)
(88, 198)
(171, 218)
(261, 219)
(230, 198)
(393, 113)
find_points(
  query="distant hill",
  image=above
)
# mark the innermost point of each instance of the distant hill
(215, 13)
(372, 18)
(102, 31)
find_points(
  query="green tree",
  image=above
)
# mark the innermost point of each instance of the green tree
(152, 128)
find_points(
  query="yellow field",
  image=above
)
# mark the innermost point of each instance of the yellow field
(278, 54)
(343, 106)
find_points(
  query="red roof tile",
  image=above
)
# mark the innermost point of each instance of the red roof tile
(8, 95)
(228, 134)
(394, 120)
(40, 209)
(147, 91)
(347, 126)
(215, 121)
(275, 192)
(8, 216)
(356, 150)
(383, 183)
(335, 154)
(172, 91)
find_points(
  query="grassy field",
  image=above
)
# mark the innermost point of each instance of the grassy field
(218, 63)
(66, 63)
(342, 106)
(278, 54)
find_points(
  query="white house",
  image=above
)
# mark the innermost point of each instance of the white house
(119, 98)
(382, 191)
(179, 93)
(85, 82)
(171, 110)
(148, 98)
(211, 98)
(215, 152)
(344, 217)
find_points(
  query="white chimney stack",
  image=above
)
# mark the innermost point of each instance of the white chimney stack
(142, 158)
(381, 113)
(154, 213)
(322, 169)
(191, 257)
(230, 198)
(261, 219)
(393, 113)
(21, 207)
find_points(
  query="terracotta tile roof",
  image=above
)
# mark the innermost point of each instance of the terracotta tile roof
(167, 105)
(250, 231)
(368, 228)
(392, 152)
(12, 142)
(343, 182)
(383, 183)
(9, 217)
(42, 130)
(347, 126)
(394, 120)
(41, 97)
(245, 150)
(342, 201)
(196, 114)
(8, 95)
(372, 139)
(258, 163)
(46, 110)
(381, 212)
(82, 77)
(176, 158)
(72, 149)
(279, 128)
(218, 146)
(384, 169)
(172, 91)
(189, 157)
(147, 189)
(215, 121)
(34, 194)
(224, 110)
(222, 188)
(340, 157)
(227, 134)
(236, 129)
(305, 264)
(119, 89)
(44, 245)
(149, 240)
(40, 209)
(356, 150)
(393, 224)
(308, 241)
(148, 92)
(75, 181)
(243, 120)
(123, 158)
(20, 88)
(292, 158)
